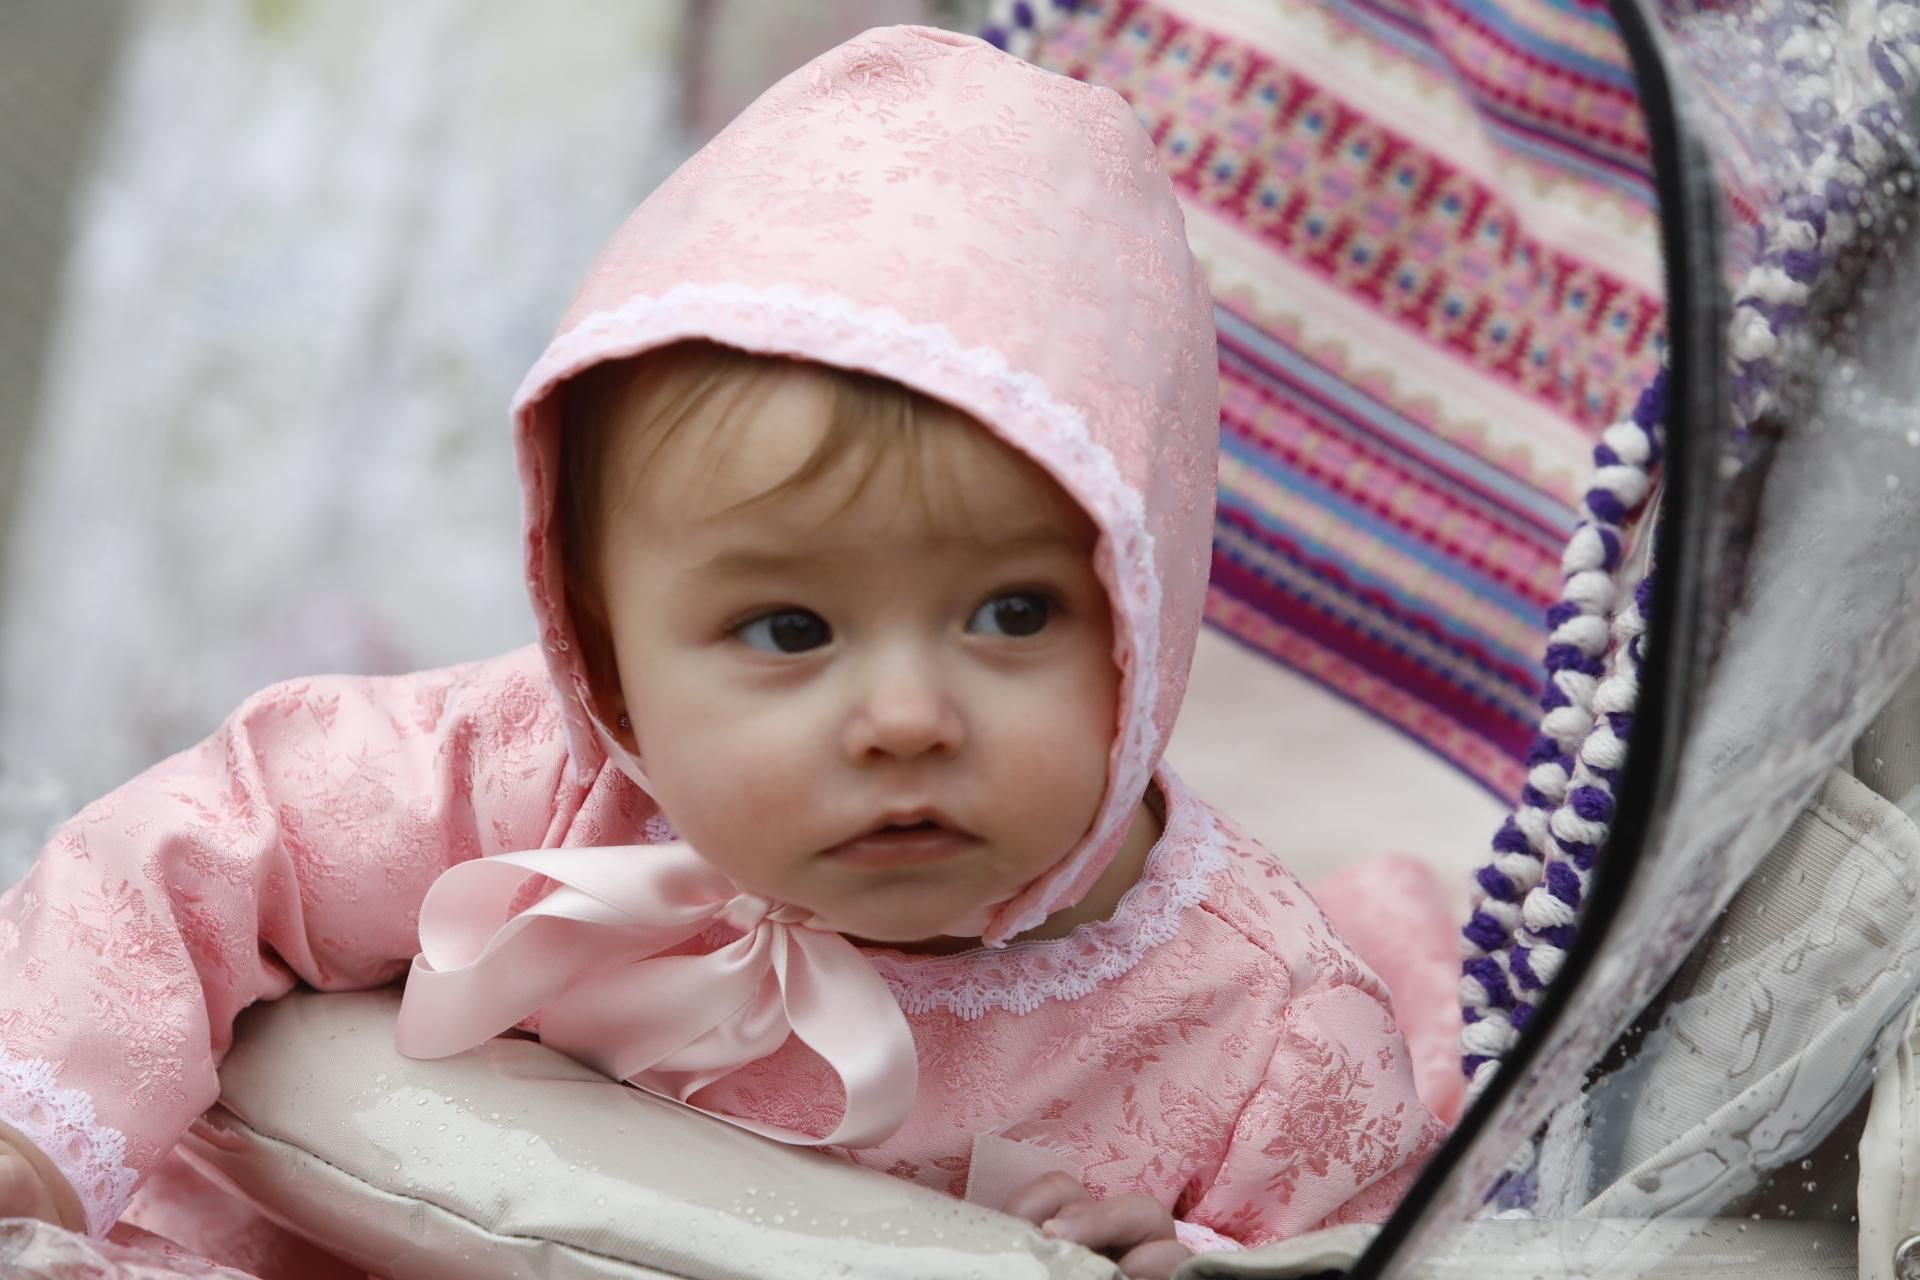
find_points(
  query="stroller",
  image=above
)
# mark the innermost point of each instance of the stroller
(1487, 271)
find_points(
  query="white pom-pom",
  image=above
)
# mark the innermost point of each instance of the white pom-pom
(1504, 914)
(1801, 47)
(1618, 693)
(1578, 686)
(1629, 442)
(1533, 825)
(1795, 234)
(1867, 149)
(1629, 484)
(1521, 868)
(1591, 589)
(1570, 827)
(1585, 550)
(1550, 779)
(1491, 1036)
(1752, 338)
(1603, 748)
(1546, 961)
(1586, 632)
(1771, 284)
(1544, 911)
(1566, 726)
(1482, 1077)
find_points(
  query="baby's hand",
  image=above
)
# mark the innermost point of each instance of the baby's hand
(1133, 1230)
(30, 1187)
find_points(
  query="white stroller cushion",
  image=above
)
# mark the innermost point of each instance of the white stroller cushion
(1767, 1037)
(1518, 1249)
(515, 1161)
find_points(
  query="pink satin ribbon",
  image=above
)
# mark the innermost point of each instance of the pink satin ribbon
(587, 958)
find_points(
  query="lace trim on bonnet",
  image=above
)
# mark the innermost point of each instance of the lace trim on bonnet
(90, 1155)
(932, 358)
(1020, 978)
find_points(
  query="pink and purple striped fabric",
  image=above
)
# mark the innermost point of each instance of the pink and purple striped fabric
(1430, 231)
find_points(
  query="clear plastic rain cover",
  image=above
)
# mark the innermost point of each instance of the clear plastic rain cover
(1694, 1003)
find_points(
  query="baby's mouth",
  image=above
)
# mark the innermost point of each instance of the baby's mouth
(910, 840)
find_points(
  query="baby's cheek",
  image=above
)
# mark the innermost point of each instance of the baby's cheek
(737, 793)
(1052, 776)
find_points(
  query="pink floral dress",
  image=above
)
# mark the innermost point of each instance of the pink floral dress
(1212, 1044)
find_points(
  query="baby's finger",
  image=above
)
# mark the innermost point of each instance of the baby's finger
(1120, 1223)
(1046, 1196)
(1155, 1260)
(22, 1193)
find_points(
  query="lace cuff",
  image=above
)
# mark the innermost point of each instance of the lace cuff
(90, 1155)
(1203, 1239)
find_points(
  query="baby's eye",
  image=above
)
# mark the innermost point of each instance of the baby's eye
(785, 631)
(1017, 613)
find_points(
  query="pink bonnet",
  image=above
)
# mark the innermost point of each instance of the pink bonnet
(922, 206)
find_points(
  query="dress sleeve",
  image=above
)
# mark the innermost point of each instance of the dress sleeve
(1334, 1132)
(293, 845)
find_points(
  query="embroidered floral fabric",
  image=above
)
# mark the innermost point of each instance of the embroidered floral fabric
(1212, 1044)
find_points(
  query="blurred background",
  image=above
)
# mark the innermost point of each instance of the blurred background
(269, 273)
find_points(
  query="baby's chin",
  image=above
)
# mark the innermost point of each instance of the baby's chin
(937, 929)
(941, 934)
(937, 945)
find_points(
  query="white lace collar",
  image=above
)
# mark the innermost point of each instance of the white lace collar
(1022, 977)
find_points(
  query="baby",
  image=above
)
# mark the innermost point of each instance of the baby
(869, 492)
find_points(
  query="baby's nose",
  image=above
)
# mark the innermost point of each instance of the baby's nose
(906, 712)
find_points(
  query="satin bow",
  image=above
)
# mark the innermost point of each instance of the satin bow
(587, 958)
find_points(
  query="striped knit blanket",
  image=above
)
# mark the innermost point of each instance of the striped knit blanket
(1430, 230)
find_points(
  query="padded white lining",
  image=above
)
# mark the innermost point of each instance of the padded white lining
(514, 1161)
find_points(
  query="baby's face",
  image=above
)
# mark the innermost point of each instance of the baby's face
(888, 703)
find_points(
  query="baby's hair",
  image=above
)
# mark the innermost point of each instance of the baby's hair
(619, 415)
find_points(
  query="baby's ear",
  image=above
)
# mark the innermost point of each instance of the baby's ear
(593, 642)
(609, 705)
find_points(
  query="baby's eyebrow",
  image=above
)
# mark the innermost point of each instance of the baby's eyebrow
(743, 562)
(1035, 536)
(752, 561)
